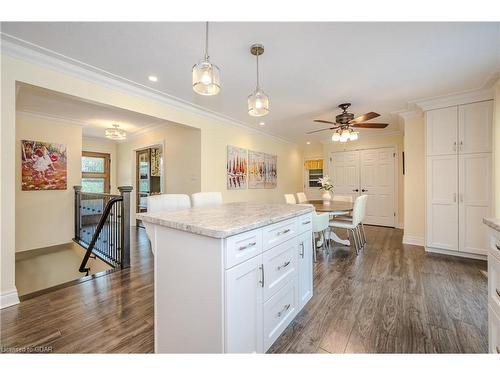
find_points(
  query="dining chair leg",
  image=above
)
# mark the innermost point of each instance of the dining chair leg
(325, 246)
(355, 238)
(361, 243)
(363, 230)
(314, 247)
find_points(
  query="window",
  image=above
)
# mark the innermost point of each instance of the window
(95, 172)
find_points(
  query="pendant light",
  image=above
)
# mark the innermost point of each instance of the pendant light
(115, 133)
(258, 101)
(206, 76)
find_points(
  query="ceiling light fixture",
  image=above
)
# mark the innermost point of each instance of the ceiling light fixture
(153, 78)
(258, 101)
(116, 133)
(344, 135)
(206, 76)
(262, 123)
(308, 143)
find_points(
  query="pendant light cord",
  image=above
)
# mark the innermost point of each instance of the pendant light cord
(206, 41)
(258, 84)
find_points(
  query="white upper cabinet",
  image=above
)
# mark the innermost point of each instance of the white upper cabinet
(474, 127)
(442, 131)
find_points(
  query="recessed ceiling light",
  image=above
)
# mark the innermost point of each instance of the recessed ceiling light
(308, 142)
(262, 123)
(153, 78)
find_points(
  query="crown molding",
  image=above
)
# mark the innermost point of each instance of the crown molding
(405, 114)
(472, 96)
(26, 51)
(45, 116)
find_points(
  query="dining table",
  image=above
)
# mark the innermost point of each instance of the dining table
(334, 208)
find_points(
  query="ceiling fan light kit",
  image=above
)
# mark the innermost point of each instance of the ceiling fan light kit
(258, 101)
(206, 76)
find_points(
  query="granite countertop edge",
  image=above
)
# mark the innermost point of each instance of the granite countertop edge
(493, 223)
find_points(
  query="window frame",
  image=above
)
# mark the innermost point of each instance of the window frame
(107, 168)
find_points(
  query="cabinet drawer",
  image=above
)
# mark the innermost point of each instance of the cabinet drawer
(494, 282)
(493, 331)
(279, 312)
(243, 246)
(304, 223)
(280, 266)
(495, 243)
(278, 233)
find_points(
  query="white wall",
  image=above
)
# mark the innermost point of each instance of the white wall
(45, 218)
(108, 147)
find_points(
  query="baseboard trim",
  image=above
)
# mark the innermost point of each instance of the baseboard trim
(9, 299)
(455, 253)
(413, 240)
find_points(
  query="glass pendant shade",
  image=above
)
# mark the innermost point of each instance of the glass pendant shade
(336, 137)
(115, 133)
(258, 103)
(353, 136)
(206, 78)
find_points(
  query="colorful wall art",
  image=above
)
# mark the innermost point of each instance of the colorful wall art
(236, 168)
(43, 166)
(262, 170)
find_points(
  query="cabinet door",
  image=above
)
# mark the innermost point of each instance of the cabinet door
(475, 127)
(442, 131)
(475, 201)
(305, 266)
(244, 307)
(280, 265)
(442, 205)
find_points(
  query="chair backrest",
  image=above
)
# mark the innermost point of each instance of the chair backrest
(290, 199)
(359, 209)
(320, 222)
(301, 197)
(206, 199)
(165, 202)
(342, 198)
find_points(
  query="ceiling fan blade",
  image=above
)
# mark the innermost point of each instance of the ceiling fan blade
(322, 130)
(368, 125)
(325, 122)
(363, 118)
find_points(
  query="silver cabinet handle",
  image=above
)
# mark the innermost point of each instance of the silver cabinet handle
(283, 232)
(454, 197)
(261, 281)
(454, 146)
(284, 265)
(498, 247)
(306, 222)
(461, 145)
(498, 349)
(247, 246)
(301, 249)
(285, 309)
(461, 197)
(498, 292)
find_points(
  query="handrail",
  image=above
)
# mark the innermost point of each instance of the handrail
(98, 230)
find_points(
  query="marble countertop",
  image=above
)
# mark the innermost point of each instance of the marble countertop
(493, 223)
(227, 219)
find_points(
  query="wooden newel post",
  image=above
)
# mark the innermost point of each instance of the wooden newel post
(78, 189)
(125, 222)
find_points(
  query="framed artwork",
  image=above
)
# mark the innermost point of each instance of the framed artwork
(262, 169)
(237, 168)
(44, 166)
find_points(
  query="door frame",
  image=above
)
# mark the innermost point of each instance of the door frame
(397, 222)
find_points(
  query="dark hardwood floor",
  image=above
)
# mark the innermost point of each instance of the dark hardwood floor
(390, 299)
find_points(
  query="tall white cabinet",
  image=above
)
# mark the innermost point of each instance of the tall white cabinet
(459, 182)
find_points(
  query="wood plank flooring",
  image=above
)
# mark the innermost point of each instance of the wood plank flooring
(390, 299)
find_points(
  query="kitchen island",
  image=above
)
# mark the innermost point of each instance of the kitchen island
(229, 278)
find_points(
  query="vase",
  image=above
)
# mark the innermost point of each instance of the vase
(327, 197)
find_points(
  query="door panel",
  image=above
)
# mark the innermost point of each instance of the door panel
(474, 201)
(344, 171)
(441, 131)
(442, 205)
(377, 181)
(475, 127)
(305, 266)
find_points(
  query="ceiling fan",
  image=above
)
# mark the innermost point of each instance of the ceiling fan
(345, 121)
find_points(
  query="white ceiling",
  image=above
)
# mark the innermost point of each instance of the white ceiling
(307, 68)
(94, 118)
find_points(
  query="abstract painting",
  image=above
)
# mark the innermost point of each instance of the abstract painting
(43, 166)
(262, 170)
(236, 168)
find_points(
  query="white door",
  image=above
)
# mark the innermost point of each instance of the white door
(344, 171)
(441, 131)
(442, 202)
(305, 268)
(377, 181)
(244, 312)
(474, 124)
(474, 201)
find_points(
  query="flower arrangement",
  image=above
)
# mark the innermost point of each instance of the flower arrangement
(326, 184)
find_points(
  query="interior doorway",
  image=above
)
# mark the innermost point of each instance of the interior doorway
(149, 181)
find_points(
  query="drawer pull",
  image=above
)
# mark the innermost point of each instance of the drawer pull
(285, 309)
(498, 292)
(284, 265)
(283, 232)
(498, 247)
(498, 349)
(261, 281)
(247, 246)
(306, 222)
(301, 250)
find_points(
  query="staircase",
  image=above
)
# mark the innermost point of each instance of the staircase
(102, 227)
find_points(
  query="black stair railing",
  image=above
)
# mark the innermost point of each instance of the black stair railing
(102, 226)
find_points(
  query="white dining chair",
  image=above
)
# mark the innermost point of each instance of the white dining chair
(320, 224)
(301, 197)
(164, 202)
(290, 199)
(358, 212)
(206, 199)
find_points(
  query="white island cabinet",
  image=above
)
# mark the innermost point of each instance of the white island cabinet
(231, 278)
(494, 286)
